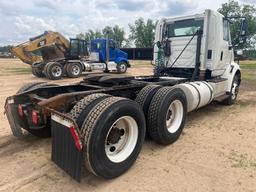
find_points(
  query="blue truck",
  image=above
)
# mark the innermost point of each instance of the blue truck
(105, 56)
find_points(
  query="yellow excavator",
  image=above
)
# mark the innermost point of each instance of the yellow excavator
(52, 55)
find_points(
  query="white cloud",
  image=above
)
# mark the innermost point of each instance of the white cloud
(21, 20)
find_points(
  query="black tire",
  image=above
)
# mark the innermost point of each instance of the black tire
(73, 70)
(81, 109)
(122, 67)
(233, 94)
(159, 111)
(144, 98)
(53, 70)
(46, 131)
(96, 129)
(36, 71)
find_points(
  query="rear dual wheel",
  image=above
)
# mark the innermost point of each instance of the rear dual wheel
(113, 131)
(53, 70)
(73, 70)
(36, 71)
(165, 110)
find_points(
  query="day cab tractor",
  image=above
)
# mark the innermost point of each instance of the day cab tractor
(51, 55)
(100, 123)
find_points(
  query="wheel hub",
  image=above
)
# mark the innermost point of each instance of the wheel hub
(174, 116)
(115, 135)
(121, 139)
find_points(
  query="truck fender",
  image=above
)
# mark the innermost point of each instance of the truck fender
(232, 70)
(120, 59)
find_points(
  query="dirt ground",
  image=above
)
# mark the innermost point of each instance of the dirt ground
(216, 151)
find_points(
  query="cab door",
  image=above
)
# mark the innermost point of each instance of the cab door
(112, 51)
(227, 50)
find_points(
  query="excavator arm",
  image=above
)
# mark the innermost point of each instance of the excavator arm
(52, 45)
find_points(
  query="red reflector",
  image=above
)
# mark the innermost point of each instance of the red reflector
(35, 117)
(21, 113)
(76, 138)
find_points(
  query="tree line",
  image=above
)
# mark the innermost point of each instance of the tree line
(142, 34)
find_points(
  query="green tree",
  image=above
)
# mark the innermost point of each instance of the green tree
(233, 9)
(6, 48)
(90, 34)
(116, 33)
(142, 33)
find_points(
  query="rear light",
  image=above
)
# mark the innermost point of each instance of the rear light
(35, 117)
(20, 110)
(76, 138)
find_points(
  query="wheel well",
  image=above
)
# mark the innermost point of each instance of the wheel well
(238, 73)
(127, 63)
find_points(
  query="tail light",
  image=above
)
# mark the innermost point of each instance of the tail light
(20, 110)
(76, 138)
(35, 117)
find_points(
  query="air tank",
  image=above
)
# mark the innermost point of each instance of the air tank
(198, 93)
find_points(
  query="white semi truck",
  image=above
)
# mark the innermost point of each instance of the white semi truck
(101, 122)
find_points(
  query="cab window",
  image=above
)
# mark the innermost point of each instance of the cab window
(184, 28)
(225, 30)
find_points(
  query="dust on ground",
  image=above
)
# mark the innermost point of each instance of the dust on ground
(216, 151)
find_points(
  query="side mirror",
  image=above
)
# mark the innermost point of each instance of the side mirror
(243, 30)
(158, 44)
(167, 48)
(239, 52)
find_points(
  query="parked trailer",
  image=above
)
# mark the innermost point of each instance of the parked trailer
(100, 123)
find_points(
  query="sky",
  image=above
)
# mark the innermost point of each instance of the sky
(21, 19)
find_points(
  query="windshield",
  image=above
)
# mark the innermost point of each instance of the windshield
(184, 28)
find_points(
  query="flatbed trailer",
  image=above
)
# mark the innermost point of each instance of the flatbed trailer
(100, 123)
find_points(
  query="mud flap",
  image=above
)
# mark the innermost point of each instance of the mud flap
(64, 150)
(10, 113)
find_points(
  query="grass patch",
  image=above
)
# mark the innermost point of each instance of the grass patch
(241, 160)
(248, 64)
(19, 70)
(140, 63)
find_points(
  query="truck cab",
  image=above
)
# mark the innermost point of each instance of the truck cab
(78, 49)
(105, 51)
(198, 47)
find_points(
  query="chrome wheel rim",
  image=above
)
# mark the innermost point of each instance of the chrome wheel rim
(121, 139)
(56, 71)
(122, 67)
(75, 70)
(234, 90)
(174, 116)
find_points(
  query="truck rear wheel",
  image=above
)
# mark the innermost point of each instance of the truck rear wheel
(144, 98)
(73, 70)
(113, 135)
(37, 72)
(122, 67)
(81, 109)
(53, 70)
(167, 115)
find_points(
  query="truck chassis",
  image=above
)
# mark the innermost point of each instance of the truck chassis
(100, 112)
